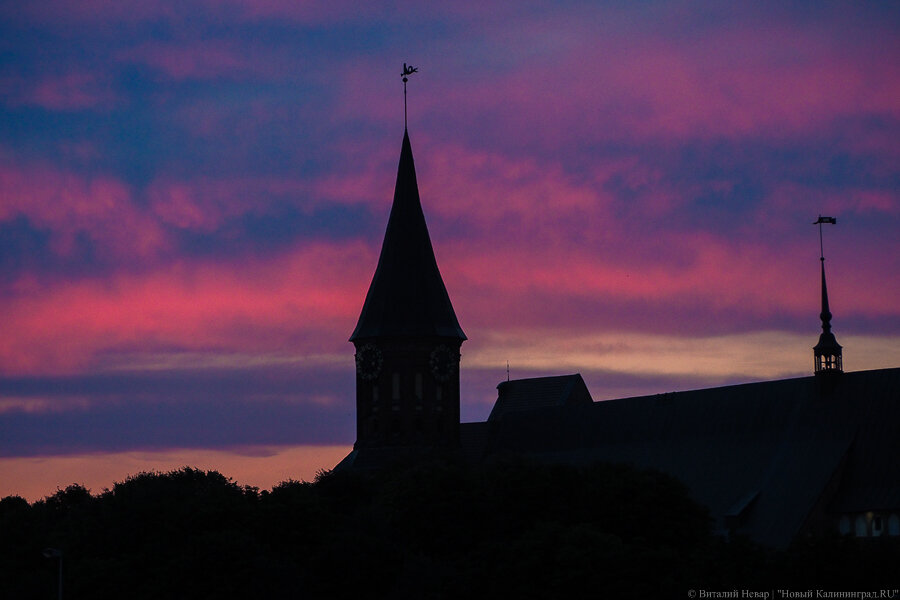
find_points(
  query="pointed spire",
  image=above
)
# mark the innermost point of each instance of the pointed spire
(407, 296)
(827, 353)
(825, 315)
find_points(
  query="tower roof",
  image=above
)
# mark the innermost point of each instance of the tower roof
(827, 342)
(407, 296)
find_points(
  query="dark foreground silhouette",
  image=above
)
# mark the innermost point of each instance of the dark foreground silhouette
(509, 529)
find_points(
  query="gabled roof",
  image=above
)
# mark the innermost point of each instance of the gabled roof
(407, 296)
(763, 454)
(539, 392)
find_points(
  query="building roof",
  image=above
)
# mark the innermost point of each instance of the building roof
(761, 456)
(407, 296)
(539, 392)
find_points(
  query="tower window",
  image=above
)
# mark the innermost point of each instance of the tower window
(395, 386)
(374, 393)
(861, 528)
(418, 386)
(877, 525)
(844, 525)
(893, 525)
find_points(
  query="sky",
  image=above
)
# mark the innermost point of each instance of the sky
(193, 197)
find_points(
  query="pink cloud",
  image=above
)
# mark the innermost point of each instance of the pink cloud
(203, 203)
(761, 79)
(69, 205)
(306, 300)
(488, 187)
(545, 231)
(280, 305)
(535, 281)
(532, 233)
(108, 212)
(717, 275)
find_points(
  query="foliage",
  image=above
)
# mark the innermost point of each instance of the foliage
(439, 529)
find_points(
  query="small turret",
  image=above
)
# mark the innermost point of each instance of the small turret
(827, 353)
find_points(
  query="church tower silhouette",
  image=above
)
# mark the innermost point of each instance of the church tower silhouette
(407, 338)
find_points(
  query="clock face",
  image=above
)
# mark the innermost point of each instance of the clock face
(368, 361)
(443, 363)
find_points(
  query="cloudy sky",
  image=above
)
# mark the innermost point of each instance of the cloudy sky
(193, 195)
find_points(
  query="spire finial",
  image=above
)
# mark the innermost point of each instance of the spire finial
(827, 352)
(407, 71)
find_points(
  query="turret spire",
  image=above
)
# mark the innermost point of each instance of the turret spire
(827, 353)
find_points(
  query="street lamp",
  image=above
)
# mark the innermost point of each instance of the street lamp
(56, 553)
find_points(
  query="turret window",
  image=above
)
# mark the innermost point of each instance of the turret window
(894, 525)
(877, 525)
(870, 524)
(844, 525)
(861, 529)
(418, 386)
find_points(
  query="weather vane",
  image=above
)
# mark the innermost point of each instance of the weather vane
(407, 71)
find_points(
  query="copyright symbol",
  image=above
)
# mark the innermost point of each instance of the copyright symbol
(692, 594)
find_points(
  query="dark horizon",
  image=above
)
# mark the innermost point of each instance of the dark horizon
(192, 200)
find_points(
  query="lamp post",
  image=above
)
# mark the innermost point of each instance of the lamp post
(56, 553)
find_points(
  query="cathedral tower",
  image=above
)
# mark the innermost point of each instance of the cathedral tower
(408, 338)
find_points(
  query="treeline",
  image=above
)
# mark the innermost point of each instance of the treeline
(509, 529)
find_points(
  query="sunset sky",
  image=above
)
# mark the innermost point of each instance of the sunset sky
(193, 197)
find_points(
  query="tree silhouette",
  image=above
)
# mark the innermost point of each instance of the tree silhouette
(437, 529)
